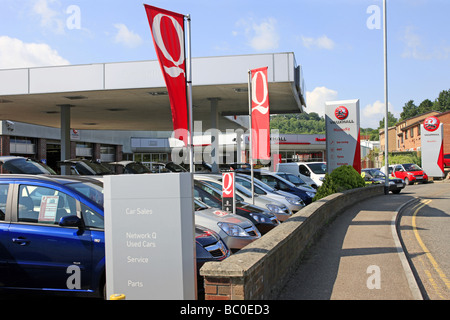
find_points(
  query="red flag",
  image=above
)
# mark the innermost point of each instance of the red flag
(168, 37)
(260, 114)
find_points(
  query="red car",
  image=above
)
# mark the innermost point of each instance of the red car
(447, 159)
(410, 172)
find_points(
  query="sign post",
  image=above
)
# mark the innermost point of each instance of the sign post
(343, 135)
(432, 147)
(149, 236)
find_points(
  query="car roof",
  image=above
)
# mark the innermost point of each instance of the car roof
(46, 178)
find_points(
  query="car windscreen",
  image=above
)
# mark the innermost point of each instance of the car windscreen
(90, 190)
(376, 173)
(412, 167)
(91, 168)
(26, 166)
(318, 168)
(136, 168)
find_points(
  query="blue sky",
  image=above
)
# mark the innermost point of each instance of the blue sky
(342, 58)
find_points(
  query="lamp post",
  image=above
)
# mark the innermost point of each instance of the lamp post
(386, 149)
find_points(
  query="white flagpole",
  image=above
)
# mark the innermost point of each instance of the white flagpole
(189, 83)
(251, 133)
(386, 149)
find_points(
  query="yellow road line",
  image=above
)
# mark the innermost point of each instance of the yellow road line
(425, 249)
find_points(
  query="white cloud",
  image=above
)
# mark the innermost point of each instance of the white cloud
(315, 100)
(373, 113)
(416, 49)
(15, 53)
(261, 36)
(126, 36)
(322, 42)
(265, 35)
(50, 19)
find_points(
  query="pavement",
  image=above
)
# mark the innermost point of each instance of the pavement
(358, 256)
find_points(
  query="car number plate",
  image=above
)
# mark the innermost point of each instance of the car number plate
(419, 177)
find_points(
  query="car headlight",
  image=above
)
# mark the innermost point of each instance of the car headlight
(295, 201)
(310, 194)
(391, 182)
(232, 229)
(274, 208)
(258, 218)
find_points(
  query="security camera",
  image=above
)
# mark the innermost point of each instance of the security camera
(9, 125)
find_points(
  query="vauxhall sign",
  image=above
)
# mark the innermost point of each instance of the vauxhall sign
(432, 147)
(342, 130)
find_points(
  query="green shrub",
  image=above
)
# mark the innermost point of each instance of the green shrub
(341, 179)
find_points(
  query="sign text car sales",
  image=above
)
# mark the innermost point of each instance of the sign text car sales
(342, 130)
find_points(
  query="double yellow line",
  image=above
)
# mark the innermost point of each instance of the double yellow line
(425, 249)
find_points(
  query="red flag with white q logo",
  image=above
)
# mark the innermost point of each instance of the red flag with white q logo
(260, 114)
(228, 192)
(168, 37)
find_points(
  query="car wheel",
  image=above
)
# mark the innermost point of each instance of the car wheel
(407, 182)
(396, 191)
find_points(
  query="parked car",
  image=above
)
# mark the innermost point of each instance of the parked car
(211, 196)
(297, 181)
(86, 167)
(294, 168)
(276, 208)
(375, 176)
(22, 165)
(293, 202)
(409, 172)
(130, 167)
(447, 159)
(236, 231)
(278, 183)
(208, 247)
(39, 242)
(313, 170)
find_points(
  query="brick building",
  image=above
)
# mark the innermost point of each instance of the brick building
(406, 135)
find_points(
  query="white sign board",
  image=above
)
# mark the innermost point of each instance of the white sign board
(150, 236)
(432, 147)
(342, 130)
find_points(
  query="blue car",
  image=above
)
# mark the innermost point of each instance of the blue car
(52, 235)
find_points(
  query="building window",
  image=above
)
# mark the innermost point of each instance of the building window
(412, 133)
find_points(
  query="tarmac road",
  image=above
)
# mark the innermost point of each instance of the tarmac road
(359, 255)
(425, 232)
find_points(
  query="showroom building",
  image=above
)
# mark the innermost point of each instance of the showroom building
(114, 111)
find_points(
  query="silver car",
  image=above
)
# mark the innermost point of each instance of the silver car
(293, 202)
(235, 231)
(280, 210)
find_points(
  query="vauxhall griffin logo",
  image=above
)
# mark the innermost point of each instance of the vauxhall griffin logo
(341, 113)
(176, 70)
(431, 124)
(260, 103)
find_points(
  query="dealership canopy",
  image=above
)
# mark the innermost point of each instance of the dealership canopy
(133, 96)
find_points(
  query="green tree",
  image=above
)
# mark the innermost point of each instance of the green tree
(392, 120)
(409, 110)
(425, 106)
(442, 103)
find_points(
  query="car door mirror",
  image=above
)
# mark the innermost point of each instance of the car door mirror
(71, 221)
